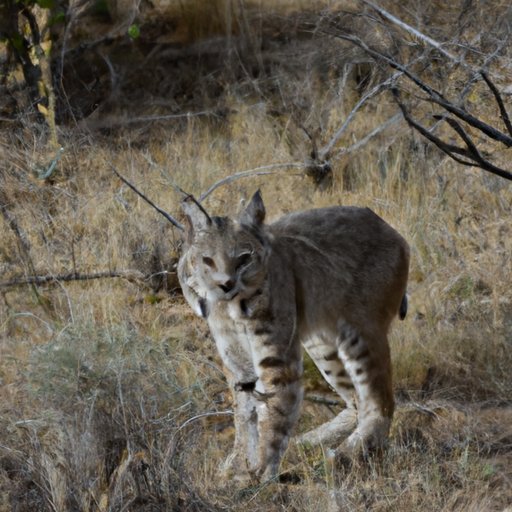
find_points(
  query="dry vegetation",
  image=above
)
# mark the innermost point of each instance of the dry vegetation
(112, 396)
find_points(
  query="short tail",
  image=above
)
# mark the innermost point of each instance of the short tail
(402, 312)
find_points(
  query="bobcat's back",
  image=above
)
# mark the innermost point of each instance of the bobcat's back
(346, 261)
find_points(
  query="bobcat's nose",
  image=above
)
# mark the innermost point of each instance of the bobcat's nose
(227, 286)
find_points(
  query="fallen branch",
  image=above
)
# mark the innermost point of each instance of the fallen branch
(72, 276)
(316, 162)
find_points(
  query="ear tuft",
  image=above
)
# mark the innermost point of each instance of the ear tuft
(254, 214)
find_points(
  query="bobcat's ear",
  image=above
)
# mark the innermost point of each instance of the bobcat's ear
(197, 218)
(254, 214)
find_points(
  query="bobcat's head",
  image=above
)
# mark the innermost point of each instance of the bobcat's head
(227, 258)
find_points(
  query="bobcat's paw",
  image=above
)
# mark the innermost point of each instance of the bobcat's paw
(369, 438)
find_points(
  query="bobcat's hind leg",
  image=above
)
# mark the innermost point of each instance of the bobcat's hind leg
(325, 355)
(368, 363)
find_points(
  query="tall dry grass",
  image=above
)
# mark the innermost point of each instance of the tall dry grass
(112, 395)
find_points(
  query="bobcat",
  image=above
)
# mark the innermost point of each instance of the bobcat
(331, 278)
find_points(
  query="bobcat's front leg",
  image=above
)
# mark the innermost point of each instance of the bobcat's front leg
(279, 390)
(244, 458)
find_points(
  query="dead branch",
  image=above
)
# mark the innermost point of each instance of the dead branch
(467, 155)
(499, 101)
(166, 175)
(364, 140)
(324, 152)
(434, 95)
(130, 275)
(413, 31)
(257, 171)
(169, 217)
(317, 167)
(471, 152)
(485, 65)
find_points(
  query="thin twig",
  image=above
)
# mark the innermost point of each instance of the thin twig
(415, 32)
(169, 217)
(367, 137)
(29, 314)
(476, 75)
(257, 171)
(204, 415)
(165, 174)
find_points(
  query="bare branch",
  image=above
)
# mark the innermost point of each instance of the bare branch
(499, 101)
(474, 154)
(166, 175)
(367, 137)
(374, 92)
(449, 149)
(72, 276)
(485, 64)
(257, 171)
(416, 33)
(434, 95)
(471, 152)
(169, 217)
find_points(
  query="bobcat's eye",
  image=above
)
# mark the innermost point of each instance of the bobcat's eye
(208, 262)
(243, 259)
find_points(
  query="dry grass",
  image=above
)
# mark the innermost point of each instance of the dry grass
(112, 396)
